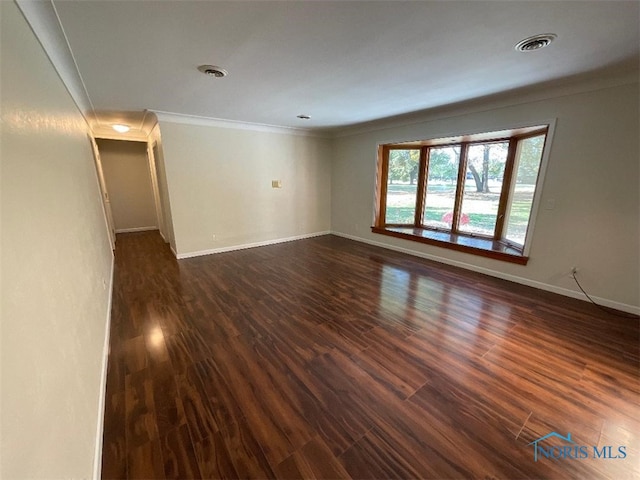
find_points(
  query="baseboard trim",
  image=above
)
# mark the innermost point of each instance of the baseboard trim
(97, 458)
(494, 273)
(136, 229)
(250, 245)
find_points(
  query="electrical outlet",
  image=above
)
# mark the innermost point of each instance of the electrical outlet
(574, 270)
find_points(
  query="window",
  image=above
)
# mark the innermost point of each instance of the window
(473, 193)
(401, 195)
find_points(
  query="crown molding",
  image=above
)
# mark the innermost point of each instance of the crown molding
(234, 124)
(43, 19)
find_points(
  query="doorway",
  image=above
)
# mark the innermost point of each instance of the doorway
(129, 186)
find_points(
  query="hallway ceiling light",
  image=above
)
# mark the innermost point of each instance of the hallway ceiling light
(121, 128)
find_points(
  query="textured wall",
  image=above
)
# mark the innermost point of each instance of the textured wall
(219, 183)
(56, 266)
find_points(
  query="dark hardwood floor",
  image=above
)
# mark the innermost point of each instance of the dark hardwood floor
(327, 358)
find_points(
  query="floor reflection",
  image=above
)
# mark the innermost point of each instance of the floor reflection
(417, 299)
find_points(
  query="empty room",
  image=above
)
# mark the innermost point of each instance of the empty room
(320, 239)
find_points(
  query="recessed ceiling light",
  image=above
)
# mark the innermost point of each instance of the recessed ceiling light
(536, 42)
(121, 128)
(213, 71)
(304, 117)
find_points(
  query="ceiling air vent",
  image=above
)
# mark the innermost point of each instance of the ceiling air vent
(536, 42)
(213, 71)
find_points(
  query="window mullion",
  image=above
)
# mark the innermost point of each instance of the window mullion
(506, 188)
(462, 171)
(422, 185)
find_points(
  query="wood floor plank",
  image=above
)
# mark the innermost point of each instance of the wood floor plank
(469, 409)
(401, 371)
(410, 432)
(242, 448)
(179, 456)
(372, 457)
(200, 420)
(332, 434)
(280, 428)
(186, 348)
(313, 461)
(246, 455)
(328, 358)
(213, 458)
(155, 344)
(145, 461)
(339, 424)
(141, 424)
(114, 445)
(528, 362)
(135, 354)
(169, 408)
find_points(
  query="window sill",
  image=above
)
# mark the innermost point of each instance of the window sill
(483, 247)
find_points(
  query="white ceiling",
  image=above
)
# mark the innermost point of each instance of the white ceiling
(342, 62)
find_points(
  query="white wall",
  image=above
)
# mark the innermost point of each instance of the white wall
(128, 178)
(55, 269)
(592, 175)
(219, 182)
